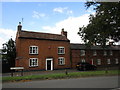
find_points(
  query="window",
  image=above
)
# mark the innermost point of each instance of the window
(108, 61)
(82, 52)
(61, 60)
(33, 50)
(99, 61)
(116, 61)
(33, 62)
(94, 53)
(111, 53)
(105, 53)
(61, 50)
(83, 60)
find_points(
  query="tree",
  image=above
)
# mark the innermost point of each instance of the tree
(104, 25)
(9, 52)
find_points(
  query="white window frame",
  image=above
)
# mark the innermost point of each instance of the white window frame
(61, 61)
(116, 61)
(83, 60)
(111, 52)
(33, 51)
(94, 53)
(105, 53)
(82, 52)
(108, 61)
(61, 50)
(98, 61)
(31, 65)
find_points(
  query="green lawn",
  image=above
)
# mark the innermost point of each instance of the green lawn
(61, 75)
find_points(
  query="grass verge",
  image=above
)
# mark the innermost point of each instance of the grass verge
(61, 75)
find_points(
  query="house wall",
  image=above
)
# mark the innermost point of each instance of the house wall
(46, 49)
(76, 57)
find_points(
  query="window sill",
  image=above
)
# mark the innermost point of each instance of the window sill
(33, 66)
(61, 53)
(61, 64)
(33, 54)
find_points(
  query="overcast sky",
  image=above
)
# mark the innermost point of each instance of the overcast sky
(48, 17)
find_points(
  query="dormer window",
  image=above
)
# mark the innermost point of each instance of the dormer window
(33, 50)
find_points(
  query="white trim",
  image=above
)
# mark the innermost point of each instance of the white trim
(49, 59)
(60, 48)
(36, 50)
(116, 61)
(98, 61)
(108, 61)
(82, 52)
(32, 59)
(62, 61)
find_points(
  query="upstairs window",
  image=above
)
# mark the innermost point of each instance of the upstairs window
(61, 61)
(61, 50)
(105, 53)
(33, 62)
(83, 60)
(94, 53)
(33, 50)
(82, 52)
(111, 53)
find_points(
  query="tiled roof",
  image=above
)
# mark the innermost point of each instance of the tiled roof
(42, 36)
(83, 46)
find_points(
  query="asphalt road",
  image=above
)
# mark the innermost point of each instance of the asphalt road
(89, 82)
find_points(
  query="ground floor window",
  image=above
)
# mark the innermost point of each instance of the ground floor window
(33, 62)
(116, 61)
(61, 60)
(108, 61)
(83, 60)
(98, 61)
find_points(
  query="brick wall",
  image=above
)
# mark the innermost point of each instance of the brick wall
(46, 49)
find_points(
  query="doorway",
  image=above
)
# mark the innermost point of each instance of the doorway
(49, 64)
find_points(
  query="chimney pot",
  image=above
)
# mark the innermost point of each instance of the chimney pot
(64, 32)
(19, 26)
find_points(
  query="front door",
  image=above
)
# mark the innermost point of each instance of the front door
(49, 64)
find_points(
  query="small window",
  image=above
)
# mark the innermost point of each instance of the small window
(108, 61)
(99, 61)
(61, 50)
(61, 61)
(111, 53)
(116, 61)
(105, 53)
(94, 53)
(82, 52)
(83, 60)
(33, 62)
(33, 50)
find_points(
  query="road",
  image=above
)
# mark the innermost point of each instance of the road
(89, 82)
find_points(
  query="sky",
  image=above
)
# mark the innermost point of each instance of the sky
(47, 17)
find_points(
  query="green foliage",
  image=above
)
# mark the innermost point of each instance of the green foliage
(60, 75)
(104, 25)
(9, 52)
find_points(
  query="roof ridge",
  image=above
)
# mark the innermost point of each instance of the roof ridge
(40, 32)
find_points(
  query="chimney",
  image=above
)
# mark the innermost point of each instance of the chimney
(64, 33)
(19, 27)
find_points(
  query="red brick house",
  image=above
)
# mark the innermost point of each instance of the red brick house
(45, 51)
(96, 55)
(42, 51)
